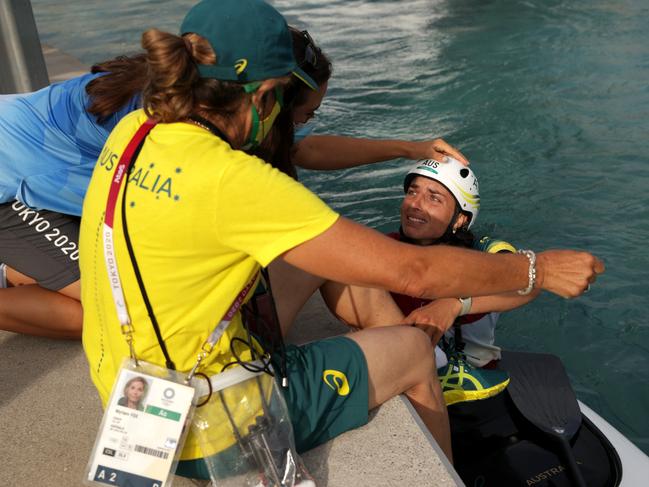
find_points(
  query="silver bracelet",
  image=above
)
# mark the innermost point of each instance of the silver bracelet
(466, 305)
(531, 275)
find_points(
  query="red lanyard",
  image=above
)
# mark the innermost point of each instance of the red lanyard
(121, 171)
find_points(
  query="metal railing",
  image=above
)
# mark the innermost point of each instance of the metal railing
(22, 66)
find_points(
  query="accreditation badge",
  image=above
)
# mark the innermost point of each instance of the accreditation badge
(143, 429)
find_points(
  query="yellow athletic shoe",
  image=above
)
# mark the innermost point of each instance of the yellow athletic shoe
(462, 382)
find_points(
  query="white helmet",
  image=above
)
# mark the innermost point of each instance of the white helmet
(456, 177)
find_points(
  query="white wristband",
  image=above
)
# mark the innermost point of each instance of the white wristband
(466, 305)
(531, 273)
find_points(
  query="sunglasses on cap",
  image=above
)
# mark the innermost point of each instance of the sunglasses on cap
(311, 51)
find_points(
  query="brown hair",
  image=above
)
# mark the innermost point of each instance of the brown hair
(174, 89)
(276, 147)
(320, 68)
(125, 79)
(167, 77)
(294, 95)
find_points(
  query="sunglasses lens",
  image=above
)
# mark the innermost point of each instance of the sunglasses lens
(310, 56)
(310, 53)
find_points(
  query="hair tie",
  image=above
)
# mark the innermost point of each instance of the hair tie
(188, 45)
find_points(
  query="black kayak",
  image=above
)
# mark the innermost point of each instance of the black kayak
(536, 433)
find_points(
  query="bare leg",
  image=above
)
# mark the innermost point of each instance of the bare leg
(15, 278)
(410, 370)
(33, 310)
(357, 306)
(292, 288)
(361, 307)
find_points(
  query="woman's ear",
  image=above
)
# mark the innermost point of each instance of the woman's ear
(461, 221)
(261, 98)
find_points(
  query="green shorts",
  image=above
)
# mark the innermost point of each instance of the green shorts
(328, 390)
(328, 394)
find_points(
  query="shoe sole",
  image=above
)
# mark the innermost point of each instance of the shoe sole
(453, 396)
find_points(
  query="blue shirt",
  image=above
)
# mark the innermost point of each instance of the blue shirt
(302, 132)
(49, 144)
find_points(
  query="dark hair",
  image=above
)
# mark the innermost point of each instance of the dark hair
(318, 66)
(461, 238)
(125, 78)
(276, 147)
(312, 60)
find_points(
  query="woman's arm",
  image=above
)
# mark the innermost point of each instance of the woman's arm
(350, 253)
(328, 152)
(439, 315)
(501, 302)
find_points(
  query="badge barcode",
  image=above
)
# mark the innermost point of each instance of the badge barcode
(150, 451)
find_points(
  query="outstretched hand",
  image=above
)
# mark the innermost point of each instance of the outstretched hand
(437, 149)
(567, 273)
(435, 318)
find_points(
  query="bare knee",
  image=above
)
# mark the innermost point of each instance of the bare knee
(398, 358)
(423, 369)
(420, 352)
(420, 345)
(420, 383)
(420, 363)
(361, 307)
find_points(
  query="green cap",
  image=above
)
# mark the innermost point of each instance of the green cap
(251, 40)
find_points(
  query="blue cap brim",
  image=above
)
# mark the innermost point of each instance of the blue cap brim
(305, 78)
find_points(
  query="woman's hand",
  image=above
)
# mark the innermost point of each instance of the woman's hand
(436, 149)
(436, 317)
(568, 273)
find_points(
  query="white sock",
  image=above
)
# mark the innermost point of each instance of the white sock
(440, 358)
(3, 275)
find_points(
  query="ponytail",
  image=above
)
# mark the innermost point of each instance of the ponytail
(166, 76)
(125, 78)
(172, 75)
(174, 89)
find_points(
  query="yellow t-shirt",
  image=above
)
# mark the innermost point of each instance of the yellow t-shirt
(202, 218)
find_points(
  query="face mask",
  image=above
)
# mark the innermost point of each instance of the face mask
(261, 128)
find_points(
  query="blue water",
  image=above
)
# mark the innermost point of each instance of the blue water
(549, 100)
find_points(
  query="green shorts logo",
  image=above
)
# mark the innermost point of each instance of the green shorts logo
(337, 381)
